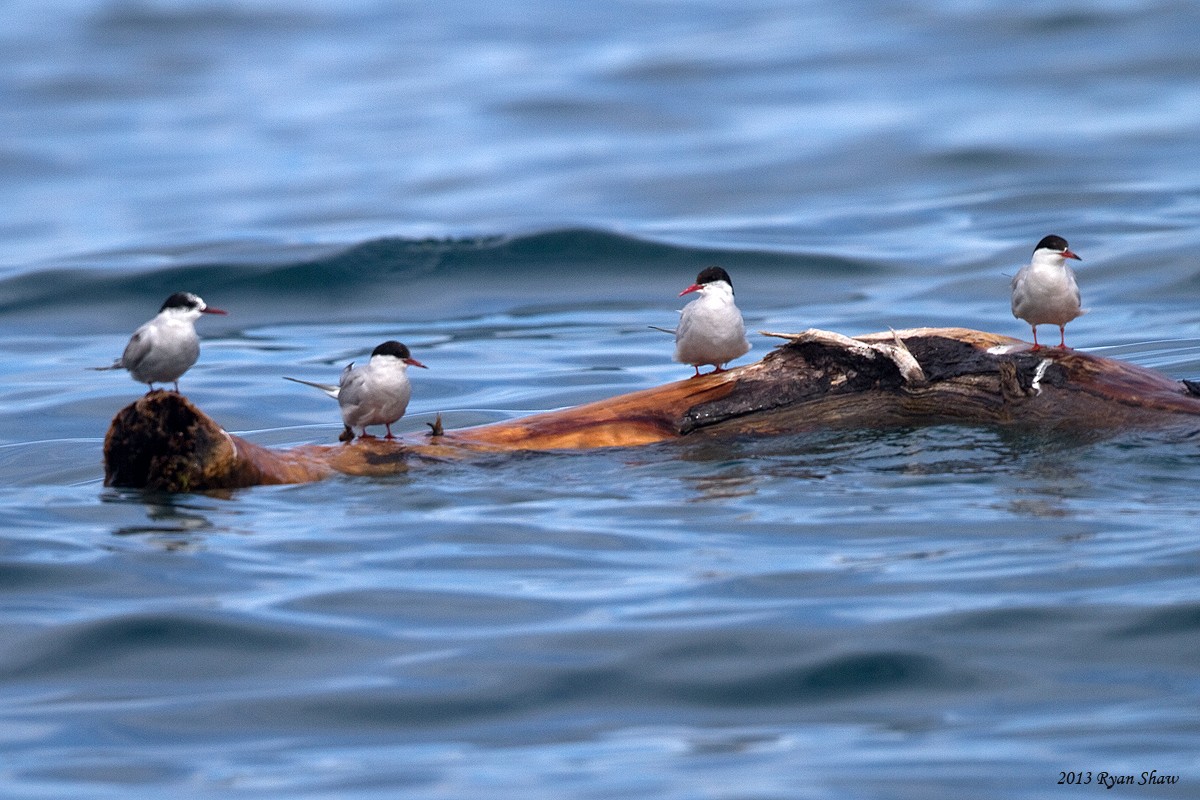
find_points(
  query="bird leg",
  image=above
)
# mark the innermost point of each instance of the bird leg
(1062, 332)
(346, 435)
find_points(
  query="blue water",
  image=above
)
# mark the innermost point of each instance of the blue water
(517, 191)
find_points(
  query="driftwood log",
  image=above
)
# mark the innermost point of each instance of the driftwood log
(814, 380)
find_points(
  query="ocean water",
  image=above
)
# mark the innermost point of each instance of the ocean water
(517, 192)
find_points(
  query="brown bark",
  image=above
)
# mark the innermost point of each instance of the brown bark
(815, 380)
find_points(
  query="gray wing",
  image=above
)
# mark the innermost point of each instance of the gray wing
(1018, 294)
(138, 348)
(1019, 277)
(1075, 287)
(350, 387)
(686, 316)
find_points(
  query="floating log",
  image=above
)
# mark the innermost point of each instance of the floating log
(814, 380)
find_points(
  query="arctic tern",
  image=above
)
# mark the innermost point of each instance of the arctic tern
(374, 394)
(1044, 291)
(710, 329)
(164, 348)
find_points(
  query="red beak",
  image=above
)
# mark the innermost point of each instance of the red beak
(211, 310)
(695, 287)
(412, 362)
(1069, 254)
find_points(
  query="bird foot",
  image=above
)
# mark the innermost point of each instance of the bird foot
(346, 435)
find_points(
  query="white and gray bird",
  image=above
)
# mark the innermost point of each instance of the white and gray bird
(374, 394)
(1044, 292)
(165, 347)
(710, 329)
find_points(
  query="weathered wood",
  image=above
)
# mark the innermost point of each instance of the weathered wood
(163, 442)
(814, 380)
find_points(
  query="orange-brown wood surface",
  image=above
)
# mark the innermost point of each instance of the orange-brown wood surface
(814, 380)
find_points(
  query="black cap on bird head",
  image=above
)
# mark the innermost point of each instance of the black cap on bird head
(1058, 244)
(182, 300)
(712, 275)
(397, 350)
(186, 301)
(1052, 242)
(392, 348)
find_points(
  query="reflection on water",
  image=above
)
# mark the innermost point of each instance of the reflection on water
(173, 520)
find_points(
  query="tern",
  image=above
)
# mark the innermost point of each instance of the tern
(374, 394)
(710, 329)
(165, 347)
(1044, 292)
